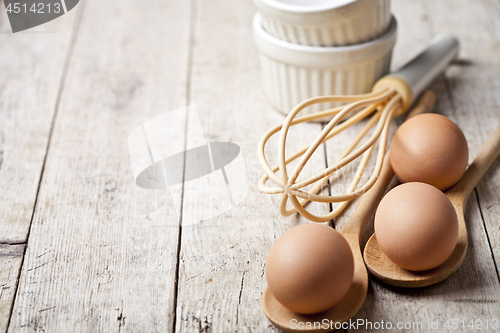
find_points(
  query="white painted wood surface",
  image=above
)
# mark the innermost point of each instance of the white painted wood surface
(32, 65)
(10, 262)
(105, 255)
(100, 257)
(30, 80)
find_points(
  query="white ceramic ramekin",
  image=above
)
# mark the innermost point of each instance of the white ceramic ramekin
(325, 22)
(293, 73)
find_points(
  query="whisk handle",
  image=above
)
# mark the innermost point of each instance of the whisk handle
(424, 68)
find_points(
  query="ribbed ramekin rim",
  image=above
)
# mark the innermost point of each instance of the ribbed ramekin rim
(258, 29)
(303, 9)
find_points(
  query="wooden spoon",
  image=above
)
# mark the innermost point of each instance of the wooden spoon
(290, 321)
(387, 271)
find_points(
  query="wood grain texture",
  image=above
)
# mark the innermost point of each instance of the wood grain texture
(222, 260)
(488, 190)
(9, 271)
(474, 88)
(102, 256)
(32, 64)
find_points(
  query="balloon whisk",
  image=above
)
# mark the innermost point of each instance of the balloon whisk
(383, 105)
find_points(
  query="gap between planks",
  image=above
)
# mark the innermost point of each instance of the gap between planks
(191, 44)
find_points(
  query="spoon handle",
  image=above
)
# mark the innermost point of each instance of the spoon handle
(370, 200)
(478, 168)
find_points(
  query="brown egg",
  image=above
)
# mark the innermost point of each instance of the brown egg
(310, 268)
(416, 226)
(429, 148)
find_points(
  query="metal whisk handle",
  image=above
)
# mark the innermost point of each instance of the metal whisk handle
(427, 65)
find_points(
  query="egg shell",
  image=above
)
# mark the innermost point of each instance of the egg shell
(416, 226)
(429, 148)
(310, 268)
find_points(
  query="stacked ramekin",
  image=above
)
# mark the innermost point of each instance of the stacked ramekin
(312, 48)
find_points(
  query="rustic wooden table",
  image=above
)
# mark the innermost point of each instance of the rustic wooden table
(82, 248)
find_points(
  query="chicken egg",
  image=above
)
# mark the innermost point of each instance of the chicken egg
(310, 268)
(416, 226)
(429, 148)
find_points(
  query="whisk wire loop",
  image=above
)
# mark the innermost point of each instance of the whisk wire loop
(270, 171)
(386, 102)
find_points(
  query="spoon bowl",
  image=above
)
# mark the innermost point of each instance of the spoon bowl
(289, 321)
(387, 271)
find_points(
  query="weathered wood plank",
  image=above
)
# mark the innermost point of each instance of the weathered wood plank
(474, 88)
(14, 250)
(221, 275)
(101, 254)
(32, 65)
(9, 272)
